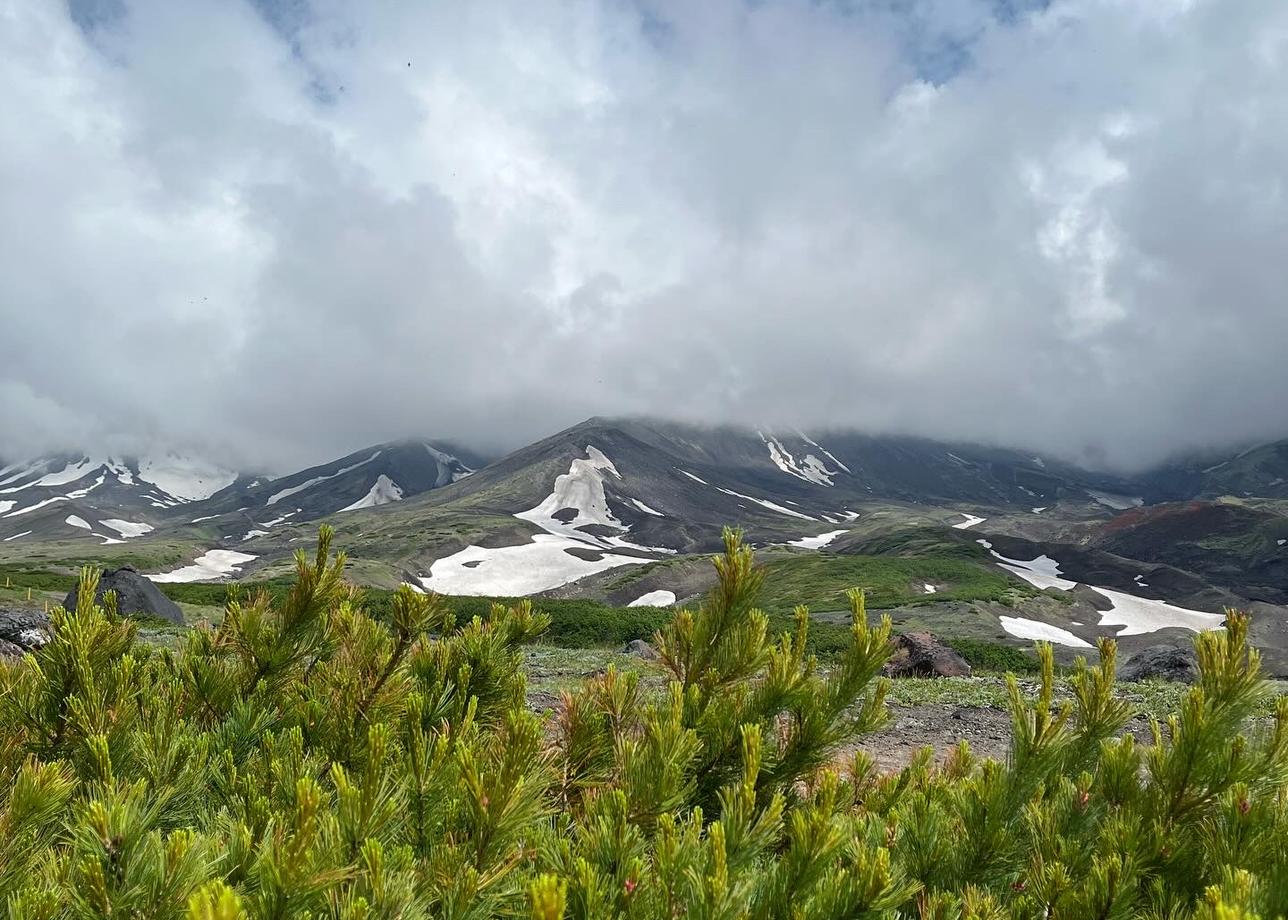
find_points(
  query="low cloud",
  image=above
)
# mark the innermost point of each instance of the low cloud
(276, 232)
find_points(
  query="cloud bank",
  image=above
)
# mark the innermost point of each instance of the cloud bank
(278, 231)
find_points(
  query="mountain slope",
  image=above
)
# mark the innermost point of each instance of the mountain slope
(80, 497)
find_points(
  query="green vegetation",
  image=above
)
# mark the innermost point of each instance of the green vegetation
(994, 656)
(302, 759)
(821, 580)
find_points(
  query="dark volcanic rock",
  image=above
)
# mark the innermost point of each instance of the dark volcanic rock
(23, 629)
(922, 655)
(1092, 597)
(1162, 662)
(135, 595)
(640, 649)
(9, 651)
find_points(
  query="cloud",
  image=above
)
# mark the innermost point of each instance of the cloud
(275, 232)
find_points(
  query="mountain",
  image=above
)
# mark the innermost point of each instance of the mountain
(1260, 471)
(110, 499)
(967, 540)
(368, 478)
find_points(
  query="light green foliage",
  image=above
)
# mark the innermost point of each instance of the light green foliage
(302, 759)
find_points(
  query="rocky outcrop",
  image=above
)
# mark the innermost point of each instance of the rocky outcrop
(135, 595)
(22, 631)
(922, 655)
(1162, 662)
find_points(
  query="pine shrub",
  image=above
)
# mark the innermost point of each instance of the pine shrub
(303, 759)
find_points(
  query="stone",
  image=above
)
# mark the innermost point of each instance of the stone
(640, 649)
(24, 629)
(1162, 662)
(135, 595)
(922, 655)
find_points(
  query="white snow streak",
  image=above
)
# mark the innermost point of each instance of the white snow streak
(384, 491)
(514, 571)
(817, 542)
(30, 508)
(1115, 501)
(210, 566)
(183, 477)
(76, 521)
(970, 521)
(126, 528)
(1137, 615)
(278, 496)
(645, 508)
(654, 599)
(691, 476)
(581, 490)
(1036, 631)
(15, 536)
(770, 505)
(810, 469)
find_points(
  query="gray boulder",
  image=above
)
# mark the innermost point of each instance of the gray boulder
(640, 649)
(135, 595)
(1162, 662)
(23, 630)
(922, 655)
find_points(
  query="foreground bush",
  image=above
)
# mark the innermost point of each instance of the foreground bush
(303, 760)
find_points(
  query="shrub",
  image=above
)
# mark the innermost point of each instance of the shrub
(305, 760)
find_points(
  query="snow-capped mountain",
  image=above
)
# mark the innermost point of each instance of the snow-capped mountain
(111, 498)
(368, 478)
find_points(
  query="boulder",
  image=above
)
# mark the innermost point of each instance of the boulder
(135, 595)
(922, 655)
(1162, 662)
(640, 649)
(9, 651)
(23, 629)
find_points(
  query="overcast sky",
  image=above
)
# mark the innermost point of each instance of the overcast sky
(278, 231)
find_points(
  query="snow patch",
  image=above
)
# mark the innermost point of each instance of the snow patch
(15, 536)
(817, 542)
(826, 452)
(72, 472)
(581, 490)
(810, 468)
(645, 508)
(1036, 631)
(928, 588)
(1040, 510)
(30, 508)
(252, 534)
(210, 566)
(81, 493)
(515, 571)
(770, 505)
(6, 505)
(1115, 501)
(691, 476)
(1137, 615)
(127, 529)
(77, 521)
(654, 599)
(971, 521)
(384, 491)
(184, 478)
(278, 496)
(208, 517)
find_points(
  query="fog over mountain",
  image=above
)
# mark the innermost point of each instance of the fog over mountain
(274, 232)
